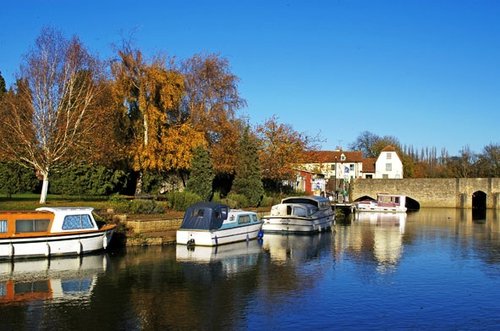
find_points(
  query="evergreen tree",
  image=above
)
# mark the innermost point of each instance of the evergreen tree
(248, 177)
(202, 174)
(3, 89)
(16, 179)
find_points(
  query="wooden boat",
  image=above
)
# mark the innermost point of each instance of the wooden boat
(51, 231)
(212, 224)
(304, 214)
(385, 203)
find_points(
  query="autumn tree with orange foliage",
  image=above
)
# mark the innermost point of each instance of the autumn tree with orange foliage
(160, 136)
(281, 150)
(211, 101)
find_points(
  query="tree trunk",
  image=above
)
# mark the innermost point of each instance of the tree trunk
(45, 187)
(138, 186)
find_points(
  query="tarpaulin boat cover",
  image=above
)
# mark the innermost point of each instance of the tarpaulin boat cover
(205, 216)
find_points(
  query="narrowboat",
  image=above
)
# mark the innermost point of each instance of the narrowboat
(52, 231)
(385, 203)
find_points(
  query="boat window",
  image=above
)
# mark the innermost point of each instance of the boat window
(3, 226)
(223, 212)
(243, 219)
(3, 291)
(32, 225)
(254, 218)
(32, 287)
(75, 222)
(299, 211)
(76, 285)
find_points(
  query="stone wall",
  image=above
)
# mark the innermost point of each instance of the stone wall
(432, 192)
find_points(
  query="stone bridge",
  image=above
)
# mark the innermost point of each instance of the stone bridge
(434, 192)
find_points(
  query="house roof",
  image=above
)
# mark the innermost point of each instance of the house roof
(332, 156)
(369, 165)
(389, 148)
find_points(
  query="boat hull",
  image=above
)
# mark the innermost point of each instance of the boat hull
(55, 245)
(290, 224)
(218, 237)
(373, 208)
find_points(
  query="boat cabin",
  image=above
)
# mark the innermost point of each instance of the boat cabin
(46, 220)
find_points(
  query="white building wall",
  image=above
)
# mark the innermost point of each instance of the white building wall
(388, 165)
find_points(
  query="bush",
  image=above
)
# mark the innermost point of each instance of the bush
(85, 179)
(139, 206)
(182, 200)
(235, 200)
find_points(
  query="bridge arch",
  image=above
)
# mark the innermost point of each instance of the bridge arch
(411, 204)
(479, 200)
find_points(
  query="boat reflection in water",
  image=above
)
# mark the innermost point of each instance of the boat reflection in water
(386, 230)
(232, 258)
(63, 278)
(295, 248)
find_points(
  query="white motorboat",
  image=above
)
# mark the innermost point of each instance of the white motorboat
(212, 224)
(51, 231)
(385, 203)
(304, 214)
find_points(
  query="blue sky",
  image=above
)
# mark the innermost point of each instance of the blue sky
(424, 71)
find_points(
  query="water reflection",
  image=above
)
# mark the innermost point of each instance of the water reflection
(232, 258)
(374, 240)
(432, 268)
(295, 248)
(64, 278)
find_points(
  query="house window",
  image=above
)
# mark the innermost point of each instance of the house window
(351, 167)
(76, 222)
(32, 226)
(389, 156)
(385, 176)
(369, 176)
(388, 167)
(3, 226)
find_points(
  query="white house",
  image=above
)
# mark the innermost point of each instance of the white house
(388, 164)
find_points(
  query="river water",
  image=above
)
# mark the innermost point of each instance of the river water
(435, 269)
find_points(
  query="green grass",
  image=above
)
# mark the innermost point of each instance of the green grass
(29, 201)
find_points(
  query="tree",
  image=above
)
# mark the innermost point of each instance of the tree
(211, 101)
(488, 163)
(16, 179)
(202, 174)
(281, 149)
(51, 113)
(159, 135)
(462, 166)
(248, 178)
(3, 88)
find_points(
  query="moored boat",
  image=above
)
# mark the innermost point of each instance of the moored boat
(51, 231)
(212, 224)
(385, 203)
(304, 214)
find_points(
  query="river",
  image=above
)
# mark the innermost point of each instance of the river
(435, 269)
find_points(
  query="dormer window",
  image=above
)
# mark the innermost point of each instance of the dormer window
(342, 157)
